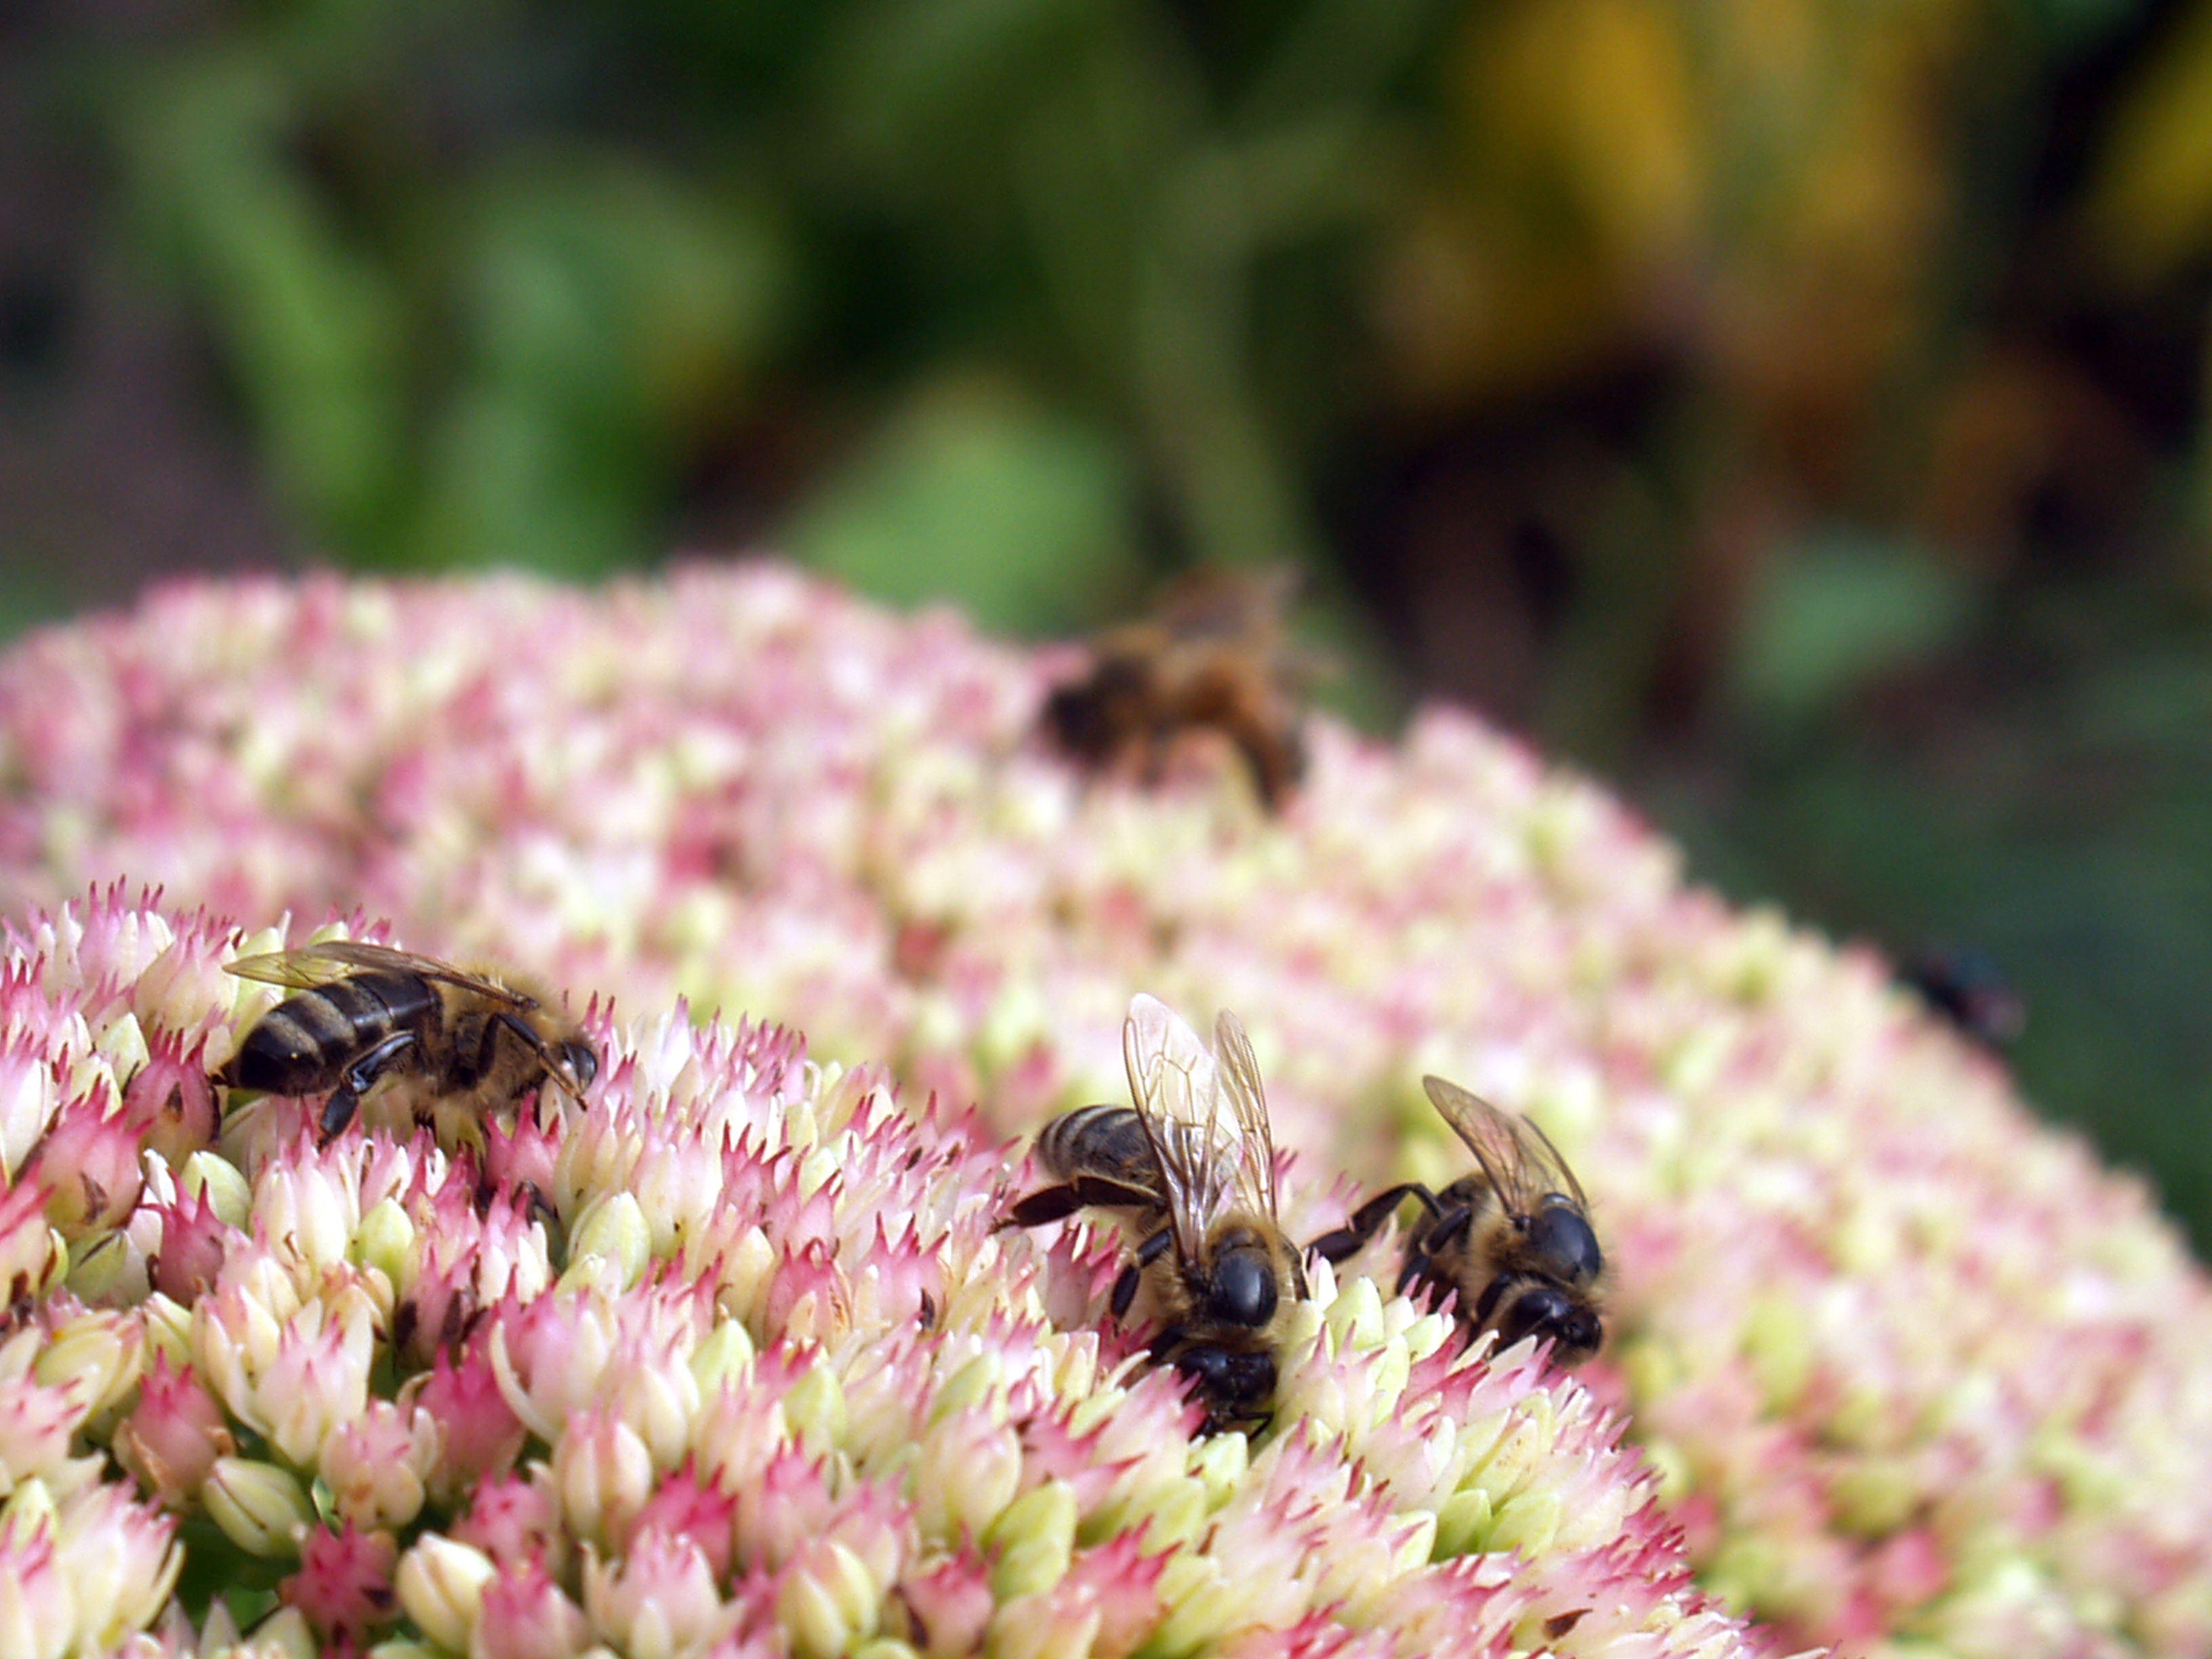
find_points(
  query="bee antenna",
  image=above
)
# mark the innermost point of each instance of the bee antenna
(537, 1046)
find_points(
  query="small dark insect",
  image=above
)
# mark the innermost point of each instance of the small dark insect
(1514, 1239)
(1200, 1193)
(1965, 988)
(1211, 657)
(446, 1040)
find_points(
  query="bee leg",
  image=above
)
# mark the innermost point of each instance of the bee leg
(1415, 1270)
(359, 1078)
(1451, 1224)
(1083, 1192)
(1367, 1220)
(1132, 1273)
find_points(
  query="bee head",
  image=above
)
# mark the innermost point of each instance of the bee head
(1242, 1287)
(1561, 1235)
(1548, 1311)
(1092, 716)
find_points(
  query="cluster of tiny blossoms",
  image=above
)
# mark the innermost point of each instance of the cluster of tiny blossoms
(732, 1358)
(1913, 1375)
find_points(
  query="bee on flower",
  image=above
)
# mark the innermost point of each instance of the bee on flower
(1198, 1188)
(1211, 657)
(1514, 1239)
(459, 1044)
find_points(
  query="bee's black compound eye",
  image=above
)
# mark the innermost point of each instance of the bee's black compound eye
(1244, 1289)
(582, 1061)
(1562, 1233)
(1233, 1379)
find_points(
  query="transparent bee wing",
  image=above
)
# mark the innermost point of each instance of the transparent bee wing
(1225, 602)
(1517, 1158)
(302, 970)
(340, 958)
(1238, 1070)
(1173, 1082)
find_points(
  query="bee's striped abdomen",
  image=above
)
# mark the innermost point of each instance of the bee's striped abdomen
(302, 1043)
(1099, 1140)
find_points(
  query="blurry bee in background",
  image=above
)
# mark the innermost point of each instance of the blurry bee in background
(1213, 656)
(1514, 1239)
(1965, 988)
(1203, 1193)
(470, 1043)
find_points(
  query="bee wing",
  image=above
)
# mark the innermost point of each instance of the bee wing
(1517, 1158)
(1239, 1074)
(302, 970)
(1172, 1080)
(1227, 601)
(339, 958)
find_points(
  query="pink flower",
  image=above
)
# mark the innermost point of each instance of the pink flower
(527, 1616)
(464, 1258)
(515, 1520)
(38, 1608)
(88, 1162)
(681, 1507)
(479, 1435)
(188, 1259)
(661, 1600)
(38, 1420)
(122, 1558)
(168, 1102)
(946, 1608)
(344, 1582)
(378, 1466)
(29, 1251)
(173, 1436)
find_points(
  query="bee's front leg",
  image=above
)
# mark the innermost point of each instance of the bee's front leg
(359, 1078)
(1133, 1271)
(1367, 1220)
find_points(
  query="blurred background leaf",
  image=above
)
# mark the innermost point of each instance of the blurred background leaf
(1794, 409)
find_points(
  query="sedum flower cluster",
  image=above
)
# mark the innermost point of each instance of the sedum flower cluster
(732, 1358)
(1904, 1371)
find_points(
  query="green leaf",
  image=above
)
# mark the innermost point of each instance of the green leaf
(1836, 613)
(1020, 512)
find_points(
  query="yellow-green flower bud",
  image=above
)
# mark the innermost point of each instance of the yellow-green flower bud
(828, 1602)
(229, 1195)
(726, 1357)
(815, 1409)
(441, 1585)
(1219, 1462)
(385, 1241)
(610, 1247)
(98, 1357)
(1034, 1536)
(971, 1385)
(262, 1509)
(284, 1634)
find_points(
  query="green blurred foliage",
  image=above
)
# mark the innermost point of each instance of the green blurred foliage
(1794, 408)
(1026, 514)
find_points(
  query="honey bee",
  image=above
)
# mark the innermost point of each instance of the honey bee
(1514, 1239)
(1211, 657)
(1200, 1193)
(471, 1043)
